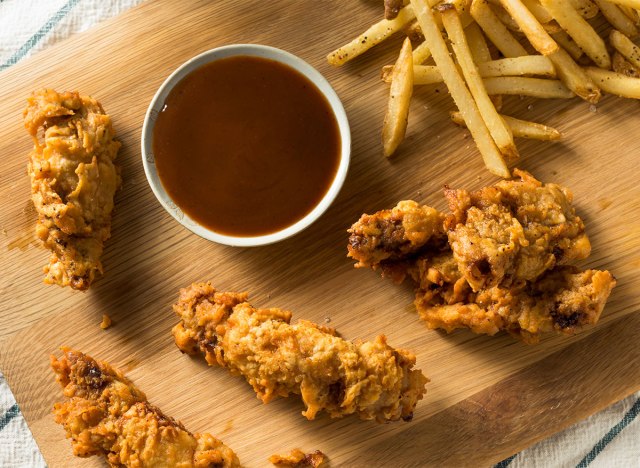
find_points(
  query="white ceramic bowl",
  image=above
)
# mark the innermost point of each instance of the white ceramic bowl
(148, 159)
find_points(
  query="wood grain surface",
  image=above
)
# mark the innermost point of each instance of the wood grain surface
(488, 397)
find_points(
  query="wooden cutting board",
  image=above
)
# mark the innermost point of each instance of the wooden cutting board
(489, 396)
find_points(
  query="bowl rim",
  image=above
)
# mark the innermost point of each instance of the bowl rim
(256, 50)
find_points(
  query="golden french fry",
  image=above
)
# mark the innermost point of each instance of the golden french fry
(421, 54)
(538, 65)
(615, 83)
(479, 48)
(623, 66)
(635, 4)
(499, 131)
(538, 11)
(422, 74)
(581, 31)
(568, 44)
(371, 37)
(617, 18)
(552, 28)
(536, 87)
(530, 26)
(395, 120)
(633, 15)
(574, 77)
(497, 32)
(505, 18)
(520, 128)
(585, 8)
(458, 90)
(426, 74)
(626, 47)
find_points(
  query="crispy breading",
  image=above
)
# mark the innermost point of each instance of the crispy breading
(506, 264)
(298, 459)
(370, 379)
(106, 414)
(73, 182)
(393, 234)
(563, 299)
(514, 230)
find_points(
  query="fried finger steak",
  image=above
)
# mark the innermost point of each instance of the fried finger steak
(73, 182)
(506, 265)
(106, 414)
(370, 379)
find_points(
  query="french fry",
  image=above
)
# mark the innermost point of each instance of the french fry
(422, 74)
(623, 66)
(581, 31)
(635, 4)
(499, 131)
(395, 120)
(552, 27)
(617, 18)
(530, 26)
(631, 13)
(421, 54)
(615, 83)
(626, 47)
(585, 8)
(538, 11)
(538, 65)
(371, 37)
(458, 90)
(479, 49)
(505, 18)
(536, 87)
(497, 32)
(574, 77)
(568, 44)
(520, 128)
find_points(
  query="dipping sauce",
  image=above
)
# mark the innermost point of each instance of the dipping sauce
(246, 146)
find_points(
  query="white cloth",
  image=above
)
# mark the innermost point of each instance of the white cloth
(608, 439)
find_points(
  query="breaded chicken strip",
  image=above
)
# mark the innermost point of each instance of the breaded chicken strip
(73, 182)
(514, 230)
(106, 414)
(394, 234)
(370, 379)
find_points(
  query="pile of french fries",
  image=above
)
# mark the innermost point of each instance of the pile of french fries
(485, 49)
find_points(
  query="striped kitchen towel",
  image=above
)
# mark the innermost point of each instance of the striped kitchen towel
(608, 439)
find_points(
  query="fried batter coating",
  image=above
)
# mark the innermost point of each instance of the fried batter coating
(393, 234)
(563, 300)
(506, 264)
(370, 379)
(107, 415)
(73, 182)
(514, 230)
(298, 459)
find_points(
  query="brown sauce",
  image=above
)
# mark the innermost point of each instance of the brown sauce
(246, 146)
